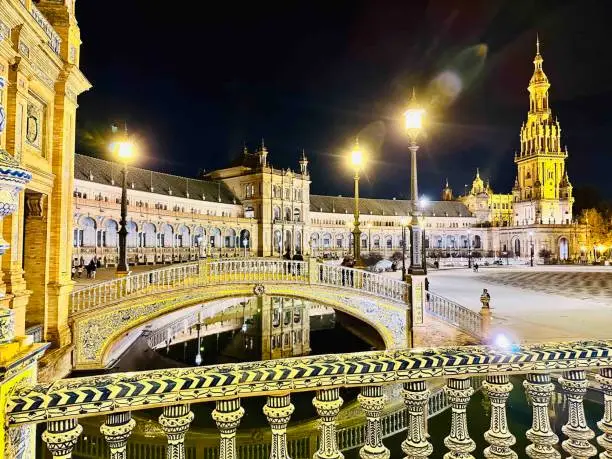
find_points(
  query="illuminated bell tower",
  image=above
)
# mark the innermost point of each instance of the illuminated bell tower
(542, 193)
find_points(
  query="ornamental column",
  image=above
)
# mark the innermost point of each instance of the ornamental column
(175, 421)
(327, 403)
(372, 402)
(605, 425)
(498, 436)
(459, 443)
(416, 398)
(116, 431)
(227, 415)
(278, 411)
(577, 445)
(61, 437)
(540, 390)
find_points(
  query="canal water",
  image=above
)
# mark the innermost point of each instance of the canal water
(267, 328)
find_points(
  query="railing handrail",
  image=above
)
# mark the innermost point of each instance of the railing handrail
(234, 270)
(454, 313)
(95, 395)
(131, 276)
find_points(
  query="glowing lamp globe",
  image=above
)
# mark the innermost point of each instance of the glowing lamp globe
(125, 150)
(357, 157)
(414, 119)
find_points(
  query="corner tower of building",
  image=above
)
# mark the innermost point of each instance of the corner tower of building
(542, 192)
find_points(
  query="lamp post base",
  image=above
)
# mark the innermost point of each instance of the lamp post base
(123, 273)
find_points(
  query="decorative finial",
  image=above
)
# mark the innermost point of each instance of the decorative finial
(446, 182)
(477, 172)
(303, 155)
(245, 150)
(263, 145)
(413, 93)
(537, 43)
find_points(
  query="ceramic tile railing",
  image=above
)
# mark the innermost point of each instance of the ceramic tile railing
(62, 403)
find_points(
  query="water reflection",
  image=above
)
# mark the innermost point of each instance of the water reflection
(258, 328)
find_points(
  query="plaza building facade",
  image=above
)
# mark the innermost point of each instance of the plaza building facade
(40, 82)
(251, 208)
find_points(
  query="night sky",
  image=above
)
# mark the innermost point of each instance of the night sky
(196, 82)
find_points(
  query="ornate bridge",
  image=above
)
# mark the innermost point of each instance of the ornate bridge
(61, 404)
(102, 313)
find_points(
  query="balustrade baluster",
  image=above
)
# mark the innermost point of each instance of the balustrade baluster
(61, 437)
(327, 403)
(578, 433)
(278, 410)
(116, 431)
(227, 414)
(460, 445)
(540, 389)
(175, 421)
(416, 396)
(605, 425)
(372, 402)
(498, 436)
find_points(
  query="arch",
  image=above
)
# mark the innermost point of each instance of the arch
(148, 234)
(101, 344)
(288, 214)
(297, 215)
(388, 242)
(215, 238)
(132, 235)
(111, 236)
(376, 242)
(298, 242)
(197, 236)
(165, 235)
(364, 241)
(245, 239)
(477, 242)
(88, 229)
(230, 238)
(314, 240)
(278, 240)
(339, 243)
(182, 236)
(563, 248)
(276, 213)
(288, 241)
(327, 240)
(516, 243)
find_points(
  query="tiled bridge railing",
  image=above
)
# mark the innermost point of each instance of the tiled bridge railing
(302, 439)
(62, 403)
(204, 273)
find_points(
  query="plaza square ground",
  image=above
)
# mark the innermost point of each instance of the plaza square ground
(536, 304)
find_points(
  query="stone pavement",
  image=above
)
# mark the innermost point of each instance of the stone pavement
(536, 304)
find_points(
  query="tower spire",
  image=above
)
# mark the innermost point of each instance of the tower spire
(537, 43)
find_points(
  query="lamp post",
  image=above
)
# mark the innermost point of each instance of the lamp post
(357, 162)
(414, 123)
(124, 150)
(404, 223)
(469, 249)
(531, 248)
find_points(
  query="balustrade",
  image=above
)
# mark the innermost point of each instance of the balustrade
(453, 313)
(61, 403)
(251, 270)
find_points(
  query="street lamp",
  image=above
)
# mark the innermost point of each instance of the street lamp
(123, 149)
(469, 249)
(414, 123)
(404, 223)
(531, 248)
(357, 162)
